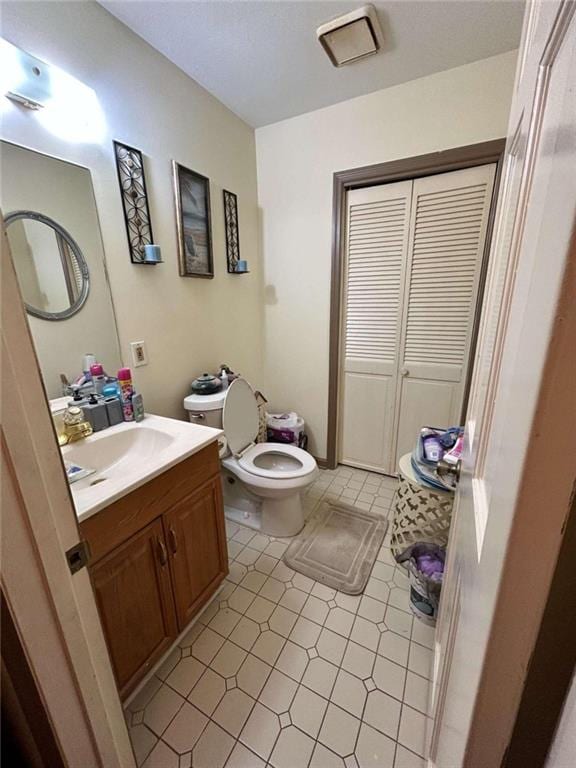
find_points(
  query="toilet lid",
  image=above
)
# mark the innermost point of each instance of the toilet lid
(240, 416)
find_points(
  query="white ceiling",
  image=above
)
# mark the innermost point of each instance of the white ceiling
(262, 59)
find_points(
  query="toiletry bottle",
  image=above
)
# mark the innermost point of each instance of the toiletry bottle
(126, 392)
(111, 389)
(95, 412)
(98, 377)
(224, 377)
(87, 362)
(138, 406)
(114, 410)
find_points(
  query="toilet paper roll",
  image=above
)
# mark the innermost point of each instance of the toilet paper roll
(222, 446)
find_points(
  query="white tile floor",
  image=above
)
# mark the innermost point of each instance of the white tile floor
(282, 671)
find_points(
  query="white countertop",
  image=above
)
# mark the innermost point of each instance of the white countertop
(128, 455)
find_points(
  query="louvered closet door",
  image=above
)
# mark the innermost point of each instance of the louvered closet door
(377, 242)
(447, 237)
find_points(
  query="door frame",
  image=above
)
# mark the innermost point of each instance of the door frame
(547, 685)
(383, 173)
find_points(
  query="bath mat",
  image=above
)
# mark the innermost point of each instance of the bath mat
(338, 547)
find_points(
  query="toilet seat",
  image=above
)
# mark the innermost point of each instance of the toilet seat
(274, 461)
(277, 460)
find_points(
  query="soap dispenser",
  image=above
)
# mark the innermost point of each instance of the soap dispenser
(95, 412)
(78, 398)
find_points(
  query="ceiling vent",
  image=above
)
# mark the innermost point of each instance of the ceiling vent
(351, 37)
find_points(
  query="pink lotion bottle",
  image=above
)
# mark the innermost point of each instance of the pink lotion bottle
(126, 392)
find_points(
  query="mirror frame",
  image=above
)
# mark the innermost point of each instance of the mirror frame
(75, 248)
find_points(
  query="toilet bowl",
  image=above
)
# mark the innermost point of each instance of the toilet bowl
(262, 482)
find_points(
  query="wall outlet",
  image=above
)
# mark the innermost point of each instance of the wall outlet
(139, 353)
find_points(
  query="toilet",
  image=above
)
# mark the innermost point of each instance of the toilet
(261, 482)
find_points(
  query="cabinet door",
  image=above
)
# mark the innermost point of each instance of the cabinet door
(195, 534)
(132, 586)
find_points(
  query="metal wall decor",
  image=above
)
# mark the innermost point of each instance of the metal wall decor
(231, 227)
(130, 167)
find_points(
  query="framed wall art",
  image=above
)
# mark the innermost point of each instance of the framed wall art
(192, 192)
(130, 168)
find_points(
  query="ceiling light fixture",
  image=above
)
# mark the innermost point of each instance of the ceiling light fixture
(352, 36)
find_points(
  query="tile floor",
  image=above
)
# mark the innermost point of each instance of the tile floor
(282, 671)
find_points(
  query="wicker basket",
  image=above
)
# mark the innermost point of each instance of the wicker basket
(420, 513)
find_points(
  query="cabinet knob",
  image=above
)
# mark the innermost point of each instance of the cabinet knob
(162, 554)
(404, 371)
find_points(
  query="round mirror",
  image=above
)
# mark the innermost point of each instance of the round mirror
(52, 271)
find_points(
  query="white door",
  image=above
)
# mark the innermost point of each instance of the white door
(447, 238)
(413, 260)
(377, 243)
(53, 610)
(490, 613)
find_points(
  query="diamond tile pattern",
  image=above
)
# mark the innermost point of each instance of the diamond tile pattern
(283, 671)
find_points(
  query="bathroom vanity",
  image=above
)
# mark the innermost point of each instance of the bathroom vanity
(156, 534)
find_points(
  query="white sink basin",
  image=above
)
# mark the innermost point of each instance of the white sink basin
(111, 451)
(128, 455)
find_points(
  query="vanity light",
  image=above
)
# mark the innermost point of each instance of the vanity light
(66, 107)
(352, 36)
(25, 79)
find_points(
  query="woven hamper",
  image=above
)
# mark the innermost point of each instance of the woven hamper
(421, 514)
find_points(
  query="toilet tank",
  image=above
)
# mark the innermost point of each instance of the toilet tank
(206, 410)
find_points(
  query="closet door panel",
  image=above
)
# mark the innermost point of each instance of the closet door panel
(377, 242)
(367, 415)
(425, 403)
(447, 236)
(370, 366)
(434, 372)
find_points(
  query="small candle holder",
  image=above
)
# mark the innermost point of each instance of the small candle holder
(152, 254)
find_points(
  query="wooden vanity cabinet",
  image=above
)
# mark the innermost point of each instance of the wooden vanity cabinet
(158, 555)
(134, 597)
(196, 538)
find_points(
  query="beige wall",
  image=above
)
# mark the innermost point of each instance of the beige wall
(296, 159)
(190, 325)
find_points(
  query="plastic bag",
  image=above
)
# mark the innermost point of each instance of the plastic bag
(425, 563)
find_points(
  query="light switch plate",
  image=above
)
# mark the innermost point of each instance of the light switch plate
(139, 353)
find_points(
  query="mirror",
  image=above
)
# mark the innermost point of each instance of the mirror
(54, 235)
(52, 271)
